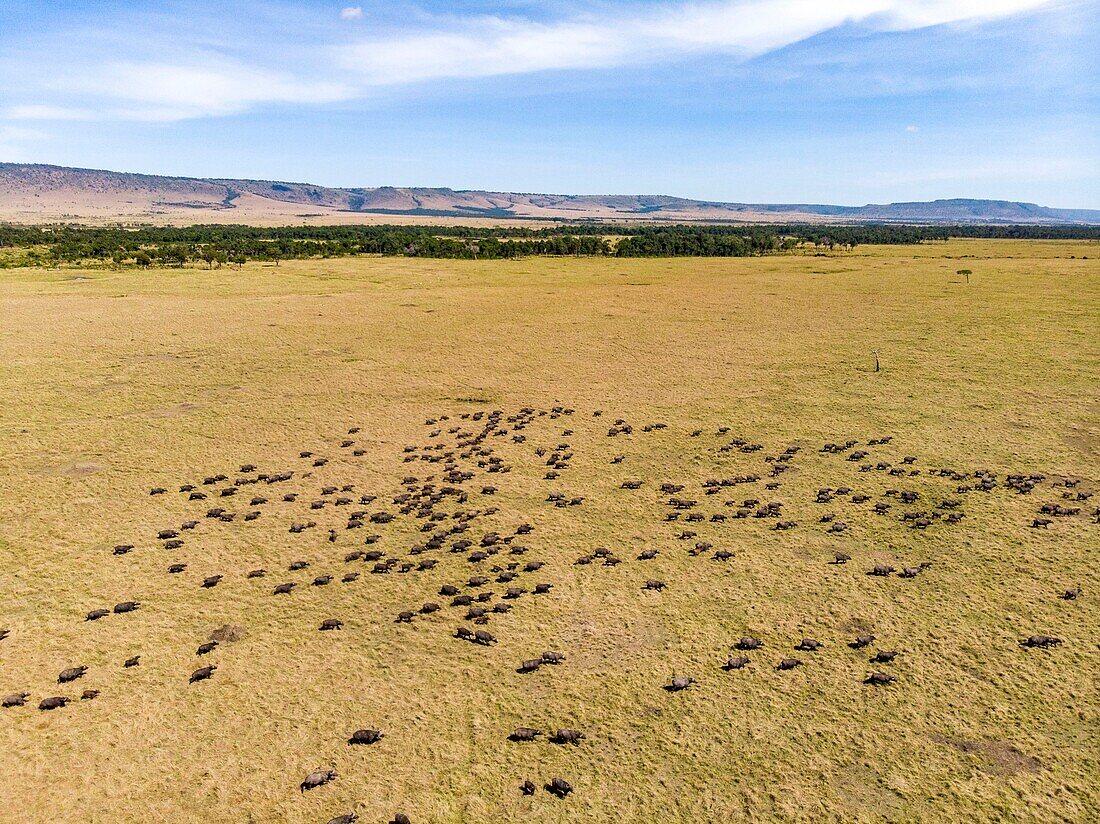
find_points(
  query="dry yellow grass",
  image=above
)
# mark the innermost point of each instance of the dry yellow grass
(115, 382)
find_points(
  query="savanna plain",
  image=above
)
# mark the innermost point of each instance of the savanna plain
(719, 380)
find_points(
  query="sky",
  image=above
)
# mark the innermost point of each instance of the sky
(777, 101)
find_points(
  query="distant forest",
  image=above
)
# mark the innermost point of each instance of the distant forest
(145, 246)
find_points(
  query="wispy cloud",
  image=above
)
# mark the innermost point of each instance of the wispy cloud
(158, 74)
(174, 91)
(45, 112)
(17, 142)
(489, 46)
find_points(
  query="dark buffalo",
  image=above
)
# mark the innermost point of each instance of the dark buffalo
(524, 734)
(316, 779)
(71, 674)
(202, 673)
(879, 679)
(1042, 641)
(559, 787)
(566, 736)
(366, 737)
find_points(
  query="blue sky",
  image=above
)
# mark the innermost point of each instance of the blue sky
(834, 101)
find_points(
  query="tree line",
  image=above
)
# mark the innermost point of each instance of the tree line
(225, 245)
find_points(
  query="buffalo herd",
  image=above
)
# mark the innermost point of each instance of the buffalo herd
(448, 483)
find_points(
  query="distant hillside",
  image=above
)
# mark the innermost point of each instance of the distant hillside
(33, 193)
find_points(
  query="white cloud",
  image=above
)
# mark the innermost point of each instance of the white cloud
(912, 129)
(164, 75)
(176, 91)
(18, 133)
(45, 112)
(14, 142)
(489, 46)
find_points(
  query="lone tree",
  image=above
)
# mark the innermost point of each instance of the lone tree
(965, 273)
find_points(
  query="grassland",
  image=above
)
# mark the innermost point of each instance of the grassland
(116, 382)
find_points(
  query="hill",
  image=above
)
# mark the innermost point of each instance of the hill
(35, 193)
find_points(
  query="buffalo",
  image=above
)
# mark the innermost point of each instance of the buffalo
(71, 674)
(366, 737)
(524, 734)
(316, 779)
(679, 682)
(559, 787)
(1041, 641)
(202, 673)
(565, 736)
